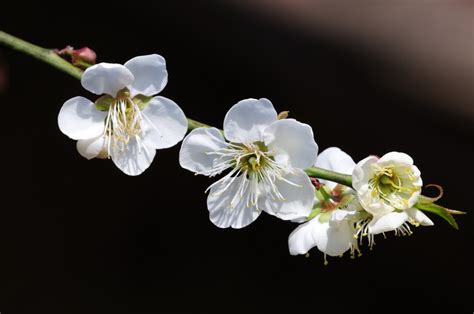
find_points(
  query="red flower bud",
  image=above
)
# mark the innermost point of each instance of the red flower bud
(82, 58)
(84, 54)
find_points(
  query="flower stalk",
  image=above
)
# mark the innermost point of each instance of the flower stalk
(46, 55)
(344, 179)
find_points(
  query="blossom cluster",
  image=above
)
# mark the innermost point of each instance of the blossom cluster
(261, 157)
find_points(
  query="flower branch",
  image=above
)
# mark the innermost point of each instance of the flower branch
(51, 57)
(46, 55)
(268, 162)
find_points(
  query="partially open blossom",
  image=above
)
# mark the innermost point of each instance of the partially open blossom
(265, 157)
(332, 234)
(83, 55)
(126, 124)
(388, 188)
(332, 228)
(388, 183)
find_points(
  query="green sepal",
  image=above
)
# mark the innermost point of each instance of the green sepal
(425, 200)
(319, 196)
(438, 210)
(346, 200)
(322, 194)
(325, 217)
(103, 103)
(316, 211)
(142, 101)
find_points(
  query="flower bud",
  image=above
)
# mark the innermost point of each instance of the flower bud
(82, 58)
(83, 55)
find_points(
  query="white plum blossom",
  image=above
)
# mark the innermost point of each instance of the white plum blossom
(332, 233)
(388, 188)
(332, 228)
(387, 183)
(265, 157)
(342, 218)
(126, 124)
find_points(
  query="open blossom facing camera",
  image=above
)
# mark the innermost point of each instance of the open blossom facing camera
(126, 124)
(265, 157)
(388, 188)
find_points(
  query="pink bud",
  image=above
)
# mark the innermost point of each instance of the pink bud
(84, 54)
(82, 58)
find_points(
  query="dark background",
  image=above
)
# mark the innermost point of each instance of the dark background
(79, 236)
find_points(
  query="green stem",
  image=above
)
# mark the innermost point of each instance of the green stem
(345, 179)
(50, 57)
(46, 55)
(193, 124)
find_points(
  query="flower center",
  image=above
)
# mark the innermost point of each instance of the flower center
(392, 188)
(254, 157)
(123, 123)
(254, 171)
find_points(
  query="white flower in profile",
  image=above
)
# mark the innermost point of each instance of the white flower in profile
(265, 157)
(388, 188)
(126, 124)
(332, 228)
(331, 232)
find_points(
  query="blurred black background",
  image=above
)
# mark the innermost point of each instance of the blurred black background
(78, 236)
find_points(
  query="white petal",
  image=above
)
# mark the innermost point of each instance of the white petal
(373, 204)
(197, 150)
(301, 240)
(80, 119)
(396, 157)
(388, 222)
(165, 123)
(334, 239)
(334, 159)
(417, 173)
(106, 78)
(419, 217)
(150, 74)
(91, 148)
(134, 160)
(339, 215)
(228, 210)
(363, 172)
(299, 197)
(292, 143)
(299, 220)
(246, 120)
(415, 196)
